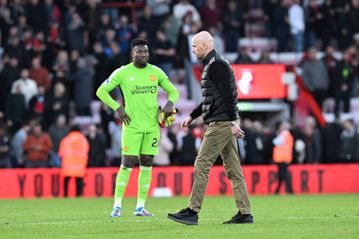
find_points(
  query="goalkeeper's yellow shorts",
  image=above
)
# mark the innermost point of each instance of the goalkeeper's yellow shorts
(139, 143)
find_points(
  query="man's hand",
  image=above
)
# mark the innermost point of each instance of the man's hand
(236, 129)
(185, 123)
(123, 116)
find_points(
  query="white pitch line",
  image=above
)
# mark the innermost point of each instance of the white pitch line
(125, 219)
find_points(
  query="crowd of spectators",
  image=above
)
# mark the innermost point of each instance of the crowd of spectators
(54, 54)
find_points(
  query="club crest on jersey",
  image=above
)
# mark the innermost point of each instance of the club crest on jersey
(153, 78)
(125, 149)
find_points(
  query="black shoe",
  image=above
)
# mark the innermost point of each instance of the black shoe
(186, 216)
(240, 218)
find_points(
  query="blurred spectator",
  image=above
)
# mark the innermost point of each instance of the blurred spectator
(165, 148)
(83, 82)
(14, 49)
(100, 62)
(331, 134)
(92, 13)
(331, 64)
(172, 136)
(163, 52)
(15, 110)
(53, 12)
(38, 45)
(259, 140)
(76, 33)
(345, 82)
(61, 67)
(268, 8)
(37, 103)
(17, 145)
(211, 14)
(22, 23)
(55, 41)
(280, 25)
(39, 74)
(17, 9)
(97, 151)
(9, 74)
(283, 156)
(328, 25)
(118, 58)
(108, 38)
(28, 86)
(315, 77)
(125, 33)
(354, 17)
(37, 15)
(5, 161)
(188, 147)
(29, 44)
(107, 116)
(56, 104)
(218, 41)
(115, 130)
(57, 132)
(243, 56)
(73, 62)
(264, 58)
(105, 24)
(232, 23)
(73, 152)
(37, 147)
(183, 50)
(349, 143)
(313, 24)
(297, 25)
(254, 142)
(159, 9)
(6, 21)
(313, 142)
(171, 27)
(147, 22)
(343, 24)
(184, 7)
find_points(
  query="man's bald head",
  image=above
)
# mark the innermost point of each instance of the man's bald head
(202, 44)
(204, 37)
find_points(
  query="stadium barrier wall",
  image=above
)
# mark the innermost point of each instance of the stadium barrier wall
(261, 180)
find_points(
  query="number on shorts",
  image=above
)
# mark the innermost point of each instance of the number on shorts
(155, 142)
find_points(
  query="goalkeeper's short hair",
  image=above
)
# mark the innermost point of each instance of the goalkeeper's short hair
(137, 42)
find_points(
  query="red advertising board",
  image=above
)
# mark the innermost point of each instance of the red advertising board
(259, 81)
(99, 182)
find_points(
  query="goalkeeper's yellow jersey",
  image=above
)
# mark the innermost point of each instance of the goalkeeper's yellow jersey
(139, 87)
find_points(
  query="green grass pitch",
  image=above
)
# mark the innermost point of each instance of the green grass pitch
(321, 216)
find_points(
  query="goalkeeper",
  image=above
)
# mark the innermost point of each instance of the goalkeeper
(138, 82)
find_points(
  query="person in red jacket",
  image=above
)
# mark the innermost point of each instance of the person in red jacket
(37, 146)
(73, 152)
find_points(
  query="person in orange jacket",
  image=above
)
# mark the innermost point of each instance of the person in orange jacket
(283, 155)
(73, 152)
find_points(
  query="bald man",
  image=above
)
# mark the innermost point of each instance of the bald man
(220, 113)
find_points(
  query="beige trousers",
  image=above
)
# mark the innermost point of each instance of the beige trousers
(219, 140)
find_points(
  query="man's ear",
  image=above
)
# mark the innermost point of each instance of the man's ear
(205, 46)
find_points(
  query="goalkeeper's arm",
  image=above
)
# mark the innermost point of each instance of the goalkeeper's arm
(103, 93)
